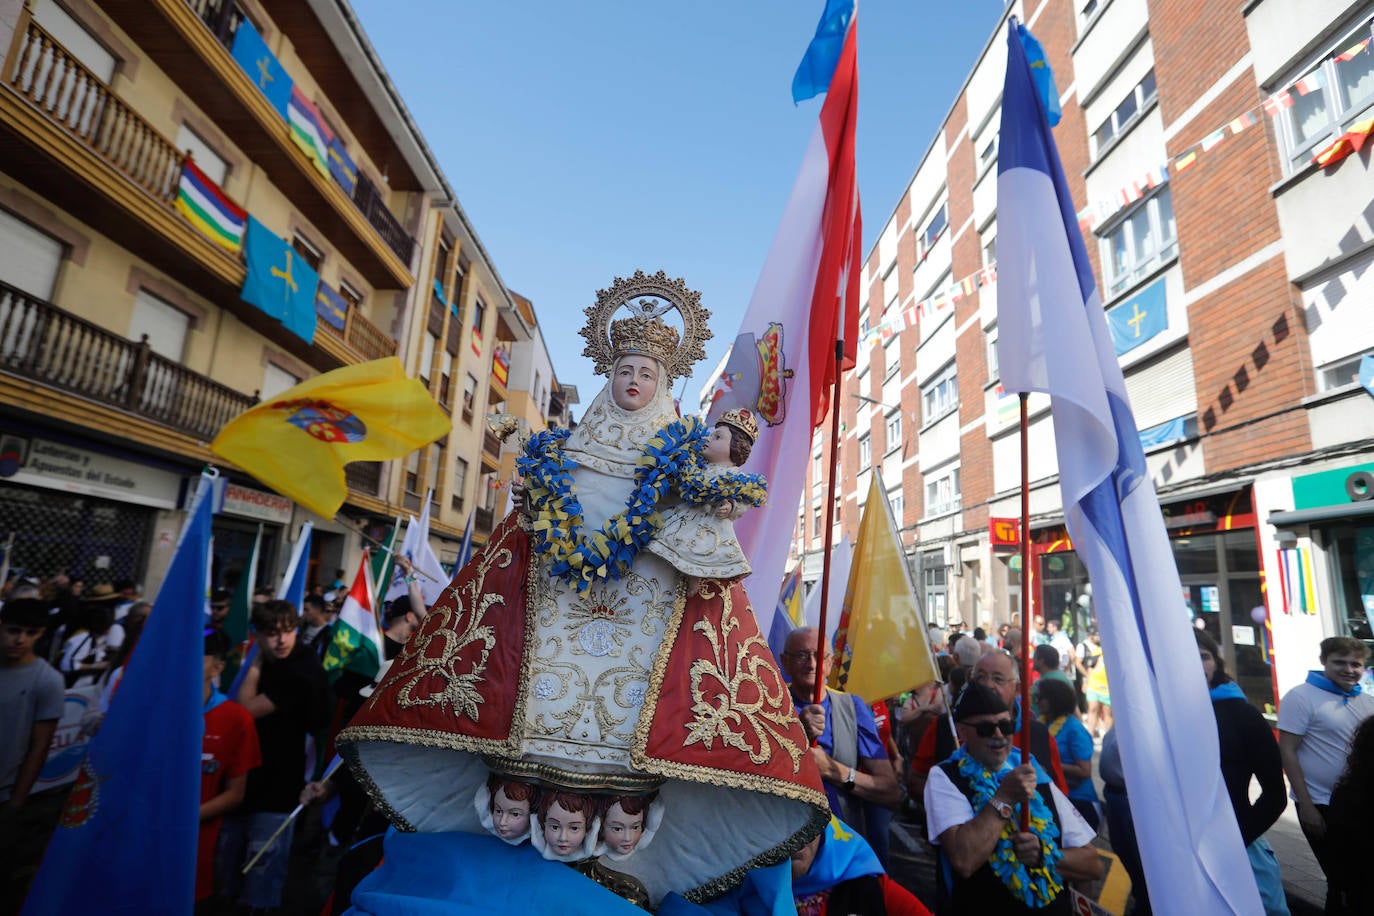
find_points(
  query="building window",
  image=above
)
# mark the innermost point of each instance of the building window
(479, 314)
(427, 345)
(469, 396)
(933, 577)
(926, 240)
(1143, 240)
(990, 250)
(29, 257)
(275, 380)
(898, 504)
(894, 430)
(445, 381)
(1136, 101)
(865, 452)
(892, 357)
(817, 520)
(816, 471)
(1342, 373)
(987, 156)
(73, 36)
(460, 483)
(165, 324)
(942, 494)
(1344, 92)
(207, 160)
(941, 396)
(990, 340)
(308, 252)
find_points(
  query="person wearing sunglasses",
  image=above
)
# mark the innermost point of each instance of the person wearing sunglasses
(986, 863)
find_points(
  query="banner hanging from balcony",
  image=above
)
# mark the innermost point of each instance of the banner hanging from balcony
(206, 207)
(330, 307)
(309, 130)
(279, 282)
(342, 167)
(500, 365)
(298, 442)
(262, 66)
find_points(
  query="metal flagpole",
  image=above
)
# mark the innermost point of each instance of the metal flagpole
(1025, 599)
(829, 526)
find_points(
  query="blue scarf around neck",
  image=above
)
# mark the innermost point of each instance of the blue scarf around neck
(1228, 691)
(1322, 682)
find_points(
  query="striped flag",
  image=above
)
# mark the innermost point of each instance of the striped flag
(357, 640)
(806, 299)
(1055, 339)
(206, 207)
(309, 130)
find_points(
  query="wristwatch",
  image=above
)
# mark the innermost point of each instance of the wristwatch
(1004, 810)
(848, 784)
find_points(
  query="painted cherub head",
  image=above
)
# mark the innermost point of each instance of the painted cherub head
(623, 824)
(566, 820)
(509, 805)
(733, 438)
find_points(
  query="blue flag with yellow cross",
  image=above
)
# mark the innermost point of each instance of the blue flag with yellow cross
(279, 281)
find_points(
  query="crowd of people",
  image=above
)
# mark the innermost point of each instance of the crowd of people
(949, 754)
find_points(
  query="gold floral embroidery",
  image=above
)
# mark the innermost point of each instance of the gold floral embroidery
(433, 656)
(720, 711)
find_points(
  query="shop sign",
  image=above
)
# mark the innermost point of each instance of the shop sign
(76, 470)
(1004, 532)
(256, 504)
(1334, 488)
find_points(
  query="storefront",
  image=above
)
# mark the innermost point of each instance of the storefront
(1216, 548)
(76, 508)
(243, 516)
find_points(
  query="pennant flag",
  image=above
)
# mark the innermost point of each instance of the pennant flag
(1245, 120)
(298, 442)
(342, 166)
(141, 779)
(1055, 340)
(308, 129)
(1279, 100)
(1352, 141)
(400, 585)
(1309, 83)
(818, 64)
(465, 547)
(357, 642)
(783, 360)
(1211, 140)
(382, 563)
(1187, 159)
(292, 586)
(432, 579)
(880, 645)
(279, 282)
(1366, 377)
(331, 308)
(262, 66)
(1139, 318)
(236, 624)
(788, 614)
(1352, 52)
(204, 205)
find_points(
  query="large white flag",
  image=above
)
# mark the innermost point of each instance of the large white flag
(1054, 339)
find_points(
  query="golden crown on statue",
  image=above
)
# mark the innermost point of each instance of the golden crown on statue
(644, 336)
(743, 420)
(647, 297)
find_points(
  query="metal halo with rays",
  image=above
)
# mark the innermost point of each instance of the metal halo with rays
(672, 294)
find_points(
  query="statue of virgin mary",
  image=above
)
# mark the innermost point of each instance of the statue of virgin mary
(566, 655)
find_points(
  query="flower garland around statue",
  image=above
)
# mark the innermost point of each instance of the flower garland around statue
(672, 457)
(1035, 887)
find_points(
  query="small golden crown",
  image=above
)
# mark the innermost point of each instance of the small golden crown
(645, 336)
(743, 420)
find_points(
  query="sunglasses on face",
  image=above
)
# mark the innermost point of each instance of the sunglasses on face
(986, 729)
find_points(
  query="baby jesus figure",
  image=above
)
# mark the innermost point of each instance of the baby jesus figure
(699, 538)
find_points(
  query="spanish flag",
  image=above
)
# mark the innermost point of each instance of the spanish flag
(298, 442)
(881, 642)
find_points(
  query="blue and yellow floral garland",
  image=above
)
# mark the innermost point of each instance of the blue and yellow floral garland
(672, 457)
(1035, 887)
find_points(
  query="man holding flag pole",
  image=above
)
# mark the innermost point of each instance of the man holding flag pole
(1055, 339)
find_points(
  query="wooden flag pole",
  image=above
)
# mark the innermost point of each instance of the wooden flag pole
(289, 818)
(1025, 598)
(829, 528)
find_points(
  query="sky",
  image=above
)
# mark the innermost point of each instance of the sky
(585, 141)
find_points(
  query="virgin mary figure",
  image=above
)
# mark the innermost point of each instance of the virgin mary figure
(566, 655)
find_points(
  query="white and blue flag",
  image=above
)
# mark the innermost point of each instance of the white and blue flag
(1054, 339)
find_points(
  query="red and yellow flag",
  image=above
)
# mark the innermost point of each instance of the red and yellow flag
(298, 442)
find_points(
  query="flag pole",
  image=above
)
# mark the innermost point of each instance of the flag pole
(333, 766)
(829, 526)
(1025, 596)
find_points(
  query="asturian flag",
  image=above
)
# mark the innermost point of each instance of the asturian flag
(1055, 339)
(783, 360)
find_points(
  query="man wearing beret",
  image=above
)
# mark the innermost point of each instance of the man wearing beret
(974, 800)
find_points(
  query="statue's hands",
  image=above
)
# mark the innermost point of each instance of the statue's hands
(812, 720)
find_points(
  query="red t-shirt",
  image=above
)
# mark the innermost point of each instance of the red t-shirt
(229, 749)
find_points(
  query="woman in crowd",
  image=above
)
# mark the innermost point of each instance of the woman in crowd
(1059, 710)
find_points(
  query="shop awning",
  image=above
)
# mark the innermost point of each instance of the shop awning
(1321, 514)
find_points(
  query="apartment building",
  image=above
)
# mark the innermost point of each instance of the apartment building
(141, 141)
(1215, 151)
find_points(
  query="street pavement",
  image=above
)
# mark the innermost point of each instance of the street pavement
(912, 864)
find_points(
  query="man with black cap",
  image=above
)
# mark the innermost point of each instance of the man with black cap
(973, 801)
(31, 699)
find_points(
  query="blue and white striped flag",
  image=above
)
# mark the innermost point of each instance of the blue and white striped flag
(1054, 339)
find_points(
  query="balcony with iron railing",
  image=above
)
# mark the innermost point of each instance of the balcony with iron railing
(222, 18)
(483, 521)
(42, 343)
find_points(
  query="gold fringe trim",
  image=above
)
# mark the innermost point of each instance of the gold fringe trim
(552, 777)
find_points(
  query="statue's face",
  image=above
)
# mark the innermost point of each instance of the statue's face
(564, 831)
(634, 381)
(622, 831)
(510, 818)
(717, 447)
